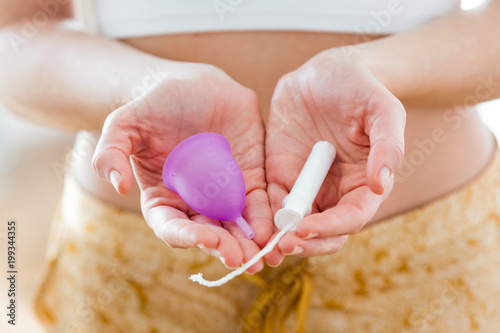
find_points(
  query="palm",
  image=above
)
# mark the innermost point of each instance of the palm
(296, 124)
(161, 132)
(304, 112)
(152, 126)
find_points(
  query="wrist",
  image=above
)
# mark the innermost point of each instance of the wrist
(133, 82)
(385, 65)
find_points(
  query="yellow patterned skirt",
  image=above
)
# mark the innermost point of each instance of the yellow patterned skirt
(433, 269)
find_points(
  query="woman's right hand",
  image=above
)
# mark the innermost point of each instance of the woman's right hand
(194, 98)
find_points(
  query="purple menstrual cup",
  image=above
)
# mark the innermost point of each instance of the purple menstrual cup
(204, 173)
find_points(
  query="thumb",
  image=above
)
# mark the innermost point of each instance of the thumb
(111, 156)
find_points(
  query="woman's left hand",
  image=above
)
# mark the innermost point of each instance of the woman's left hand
(338, 100)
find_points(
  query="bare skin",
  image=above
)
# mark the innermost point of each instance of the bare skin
(429, 85)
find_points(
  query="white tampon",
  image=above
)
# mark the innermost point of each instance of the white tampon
(298, 203)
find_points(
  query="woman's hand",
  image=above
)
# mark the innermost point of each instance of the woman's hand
(195, 98)
(338, 100)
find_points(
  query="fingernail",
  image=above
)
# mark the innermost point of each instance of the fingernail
(200, 246)
(296, 250)
(115, 177)
(383, 176)
(223, 261)
(279, 263)
(312, 235)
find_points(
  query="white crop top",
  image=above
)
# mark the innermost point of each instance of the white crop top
(134, 18)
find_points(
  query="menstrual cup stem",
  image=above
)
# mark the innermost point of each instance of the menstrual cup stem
(245, 227)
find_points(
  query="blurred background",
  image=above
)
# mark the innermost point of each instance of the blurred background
(30, 187)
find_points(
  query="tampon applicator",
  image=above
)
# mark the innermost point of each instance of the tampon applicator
(298, 203)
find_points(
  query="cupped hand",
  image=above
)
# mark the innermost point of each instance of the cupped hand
(137, 138)
(338, 100)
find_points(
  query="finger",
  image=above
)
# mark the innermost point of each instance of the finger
(176, 230)
(228, 248)
(258, 214)
(248, 247)
(111, 157)
(275, 257)
(349, 216)
(282, 169)
(386, 124)
(276, 193)
(291, 244)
